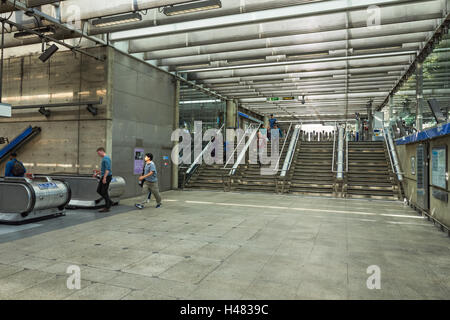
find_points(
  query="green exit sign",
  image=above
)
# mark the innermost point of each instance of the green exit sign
(281, 99)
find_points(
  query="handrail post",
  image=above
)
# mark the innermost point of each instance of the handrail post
(340, 166)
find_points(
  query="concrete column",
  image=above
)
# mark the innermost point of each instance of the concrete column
(419, 95)
(176, 120)
(231, 114)
(369, 122)
(266, 122)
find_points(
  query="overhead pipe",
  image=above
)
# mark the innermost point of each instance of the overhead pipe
(264, 72)
(232, 54)
(159, 47)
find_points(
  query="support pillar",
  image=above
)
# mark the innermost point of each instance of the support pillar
(419, 95)
(176, 121)
(231, 115)
(266, 122)
(391, 109)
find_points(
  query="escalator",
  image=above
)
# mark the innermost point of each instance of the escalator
(18, 142)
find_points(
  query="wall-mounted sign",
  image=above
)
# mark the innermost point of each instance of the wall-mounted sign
(281, 99)
(5, 110)
(439, 167)
(138, 161)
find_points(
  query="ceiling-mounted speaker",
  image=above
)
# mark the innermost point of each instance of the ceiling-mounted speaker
(48, 53)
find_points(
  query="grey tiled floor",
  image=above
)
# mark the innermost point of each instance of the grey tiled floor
(214, 245)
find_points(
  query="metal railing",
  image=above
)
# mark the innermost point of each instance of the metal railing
(334, 148)
(392, 155)
(291, 151)
(284, 144)
(346, 151)
(241, 156)
(200, 156)
(238, 144)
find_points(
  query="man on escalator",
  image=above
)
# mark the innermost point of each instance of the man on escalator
(14, 168)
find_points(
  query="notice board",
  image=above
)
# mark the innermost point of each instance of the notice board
(439, 167)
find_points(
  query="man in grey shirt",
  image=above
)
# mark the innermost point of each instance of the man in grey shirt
(150, 179)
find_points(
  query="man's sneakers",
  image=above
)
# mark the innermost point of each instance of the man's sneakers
(104, 210)
(140, 206)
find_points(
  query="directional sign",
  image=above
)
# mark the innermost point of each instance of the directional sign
(5, 110)
(281, 99)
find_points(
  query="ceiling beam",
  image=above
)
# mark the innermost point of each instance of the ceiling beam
(302, 10)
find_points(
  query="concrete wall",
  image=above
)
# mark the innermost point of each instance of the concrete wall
(405, 152)
(71, 135)
(143, 104)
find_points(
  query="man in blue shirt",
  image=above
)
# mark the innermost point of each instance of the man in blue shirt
(272, 121)
(105, 179)
(9, 172)
(150, 178)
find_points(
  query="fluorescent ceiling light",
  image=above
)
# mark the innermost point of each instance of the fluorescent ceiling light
(115, 20)
(192, 7)
(199, 101)
(23, 35)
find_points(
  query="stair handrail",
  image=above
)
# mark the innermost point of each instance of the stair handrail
(392, 154)
(292, 146)
(244, 151)
(237, 146)
(200, 156)
(334, 147)
(340, 160)
(284, 144)
(346, 151)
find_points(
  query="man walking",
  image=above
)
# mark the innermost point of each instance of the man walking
(14, 168)
(150, 179)
(105, 179)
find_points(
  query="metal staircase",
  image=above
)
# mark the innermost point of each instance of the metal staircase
(312, 173)
(250, 178)
(370, 175)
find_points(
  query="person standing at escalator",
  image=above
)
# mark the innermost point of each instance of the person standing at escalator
(15, 168)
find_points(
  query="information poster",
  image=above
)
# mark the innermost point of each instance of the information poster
(138, 161)
(439, 167)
